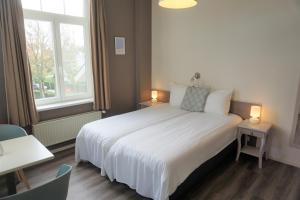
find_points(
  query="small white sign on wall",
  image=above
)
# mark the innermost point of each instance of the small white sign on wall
(120, 45)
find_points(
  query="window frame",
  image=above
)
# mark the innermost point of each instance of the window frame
(56, 20)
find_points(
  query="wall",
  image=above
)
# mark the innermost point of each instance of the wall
(120, 22)
(295, 140)
(143, 49)
(129, 74)
(3, 114)
(299, 99)
(251, 46)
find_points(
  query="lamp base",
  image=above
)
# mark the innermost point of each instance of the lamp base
(254, 120)
(154, 100)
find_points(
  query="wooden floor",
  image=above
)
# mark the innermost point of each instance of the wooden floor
(242, 180)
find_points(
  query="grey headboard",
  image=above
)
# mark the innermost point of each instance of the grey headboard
(237, 107)
(242, 108)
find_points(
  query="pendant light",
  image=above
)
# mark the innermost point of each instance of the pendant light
(177, 4)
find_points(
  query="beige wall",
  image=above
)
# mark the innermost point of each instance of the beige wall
(251, 46)
(299, 99)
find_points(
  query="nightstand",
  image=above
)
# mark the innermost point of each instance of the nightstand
(146, 104)
(261, 132)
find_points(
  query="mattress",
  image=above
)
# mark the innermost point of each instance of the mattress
(156, 160)
(95, 139)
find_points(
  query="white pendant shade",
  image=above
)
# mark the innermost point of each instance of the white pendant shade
(177, 4)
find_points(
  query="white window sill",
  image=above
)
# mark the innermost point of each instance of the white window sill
(63, 104)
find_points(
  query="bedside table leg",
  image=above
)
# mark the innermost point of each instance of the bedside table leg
(267, 148)
(246, 140)
(261, 151)
(239, 146)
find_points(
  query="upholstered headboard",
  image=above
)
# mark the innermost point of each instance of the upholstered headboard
(237, 107)
(242, 108)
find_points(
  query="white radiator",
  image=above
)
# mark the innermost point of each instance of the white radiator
(63, 129)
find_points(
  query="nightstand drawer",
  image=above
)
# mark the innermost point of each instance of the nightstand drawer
(147, 104)
(246, 131)
(258, 134)
(142, 106)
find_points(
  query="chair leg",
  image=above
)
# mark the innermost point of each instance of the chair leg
(24, 178)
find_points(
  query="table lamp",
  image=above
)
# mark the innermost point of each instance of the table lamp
(255, 114)
(154, 95)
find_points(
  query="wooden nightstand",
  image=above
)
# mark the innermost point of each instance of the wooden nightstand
(261, 132)
(146, 104)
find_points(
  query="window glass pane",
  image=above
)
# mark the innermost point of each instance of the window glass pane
(40, 50)
(74, 7)
(53, 6)
(73, 58)
(31, 4)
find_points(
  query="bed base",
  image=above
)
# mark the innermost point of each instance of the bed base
(226, 155)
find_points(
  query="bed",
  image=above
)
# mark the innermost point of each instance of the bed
(156, 160)
(95, 139)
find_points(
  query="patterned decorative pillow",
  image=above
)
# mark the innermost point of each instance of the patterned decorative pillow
(194, 99)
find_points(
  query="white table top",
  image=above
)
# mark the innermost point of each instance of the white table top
(150, 103)
(261, 127)
(22, 152)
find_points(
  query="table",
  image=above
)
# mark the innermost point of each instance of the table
(149, 103)
(261, 131)
(20, 153)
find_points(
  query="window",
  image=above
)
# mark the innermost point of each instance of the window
(57, 40)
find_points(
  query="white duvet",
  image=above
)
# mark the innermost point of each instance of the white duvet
(156, 160)
(95, 139)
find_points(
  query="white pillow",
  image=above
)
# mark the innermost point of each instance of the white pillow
(218, 102)
(177, 93)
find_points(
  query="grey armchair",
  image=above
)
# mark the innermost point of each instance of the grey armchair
(8, 132)
(57, 189)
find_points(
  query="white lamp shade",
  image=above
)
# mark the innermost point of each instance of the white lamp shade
(177, 4)
(154, 94)
(255, 111)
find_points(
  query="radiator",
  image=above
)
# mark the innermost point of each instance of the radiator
(63, 129)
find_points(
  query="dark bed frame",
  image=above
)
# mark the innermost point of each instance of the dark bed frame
(194, 179)
(226, 155)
